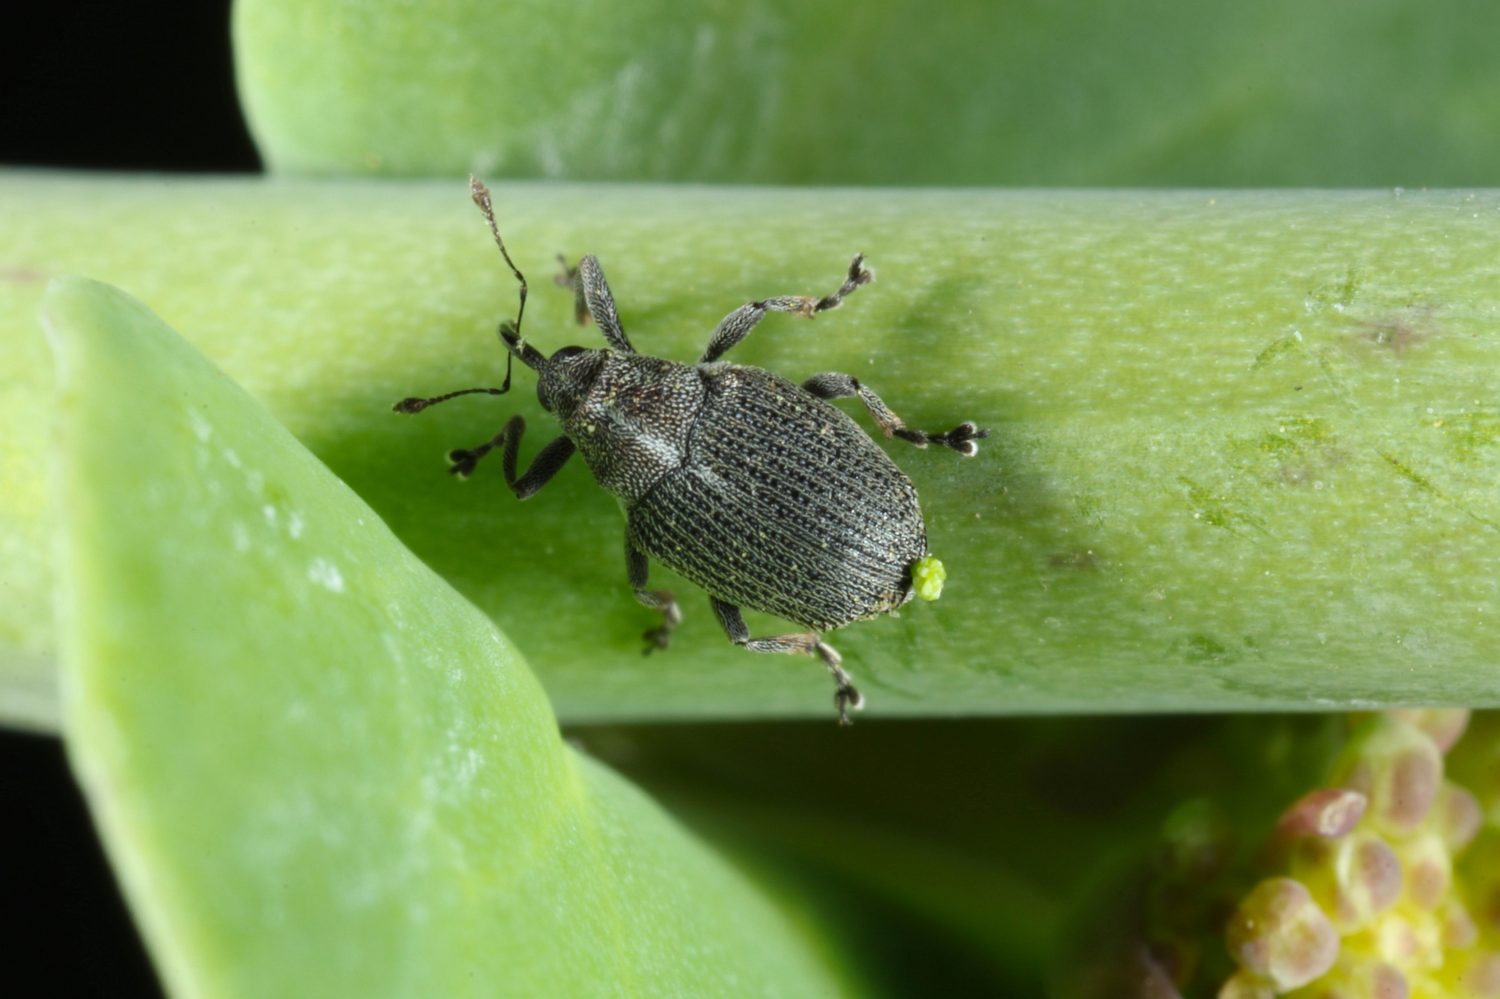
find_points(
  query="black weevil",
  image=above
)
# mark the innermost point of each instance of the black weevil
(756, 489)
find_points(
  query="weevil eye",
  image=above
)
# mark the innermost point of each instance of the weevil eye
(566, 352)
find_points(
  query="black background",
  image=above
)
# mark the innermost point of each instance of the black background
(123, 86)
(101, 86)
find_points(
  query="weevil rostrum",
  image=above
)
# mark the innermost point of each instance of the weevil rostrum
(756, 489)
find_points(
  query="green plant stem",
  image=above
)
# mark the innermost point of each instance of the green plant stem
(1243, 445)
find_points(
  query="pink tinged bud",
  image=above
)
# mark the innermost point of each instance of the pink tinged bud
(1329, 812)
(1279, 934)
(1429, 870)
(1457, 815)
(1399, 769)
(1413, 786)
(1443, 726)
(1355, 879)
(1387, 982)
(1369, 877)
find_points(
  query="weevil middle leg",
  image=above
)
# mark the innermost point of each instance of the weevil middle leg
(636, 568)
(737, 325)
(835, 385)
(845, 695)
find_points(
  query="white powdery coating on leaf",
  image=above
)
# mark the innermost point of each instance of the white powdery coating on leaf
(326, 575)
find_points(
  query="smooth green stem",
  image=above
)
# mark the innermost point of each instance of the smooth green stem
(1242, 453)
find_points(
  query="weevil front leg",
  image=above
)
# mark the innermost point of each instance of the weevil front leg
(592, 299)
(662, 600)
(737, 325)
(549, 460)
(845, 696)
(834, 385)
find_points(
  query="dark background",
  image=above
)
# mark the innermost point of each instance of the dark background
(98, 86)
(135, 86)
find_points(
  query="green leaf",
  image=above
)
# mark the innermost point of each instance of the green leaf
(319, 770)
(1033, 92)
(1242, 449)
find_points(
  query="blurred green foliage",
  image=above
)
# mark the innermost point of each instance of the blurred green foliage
(970, 92)
(319, 770)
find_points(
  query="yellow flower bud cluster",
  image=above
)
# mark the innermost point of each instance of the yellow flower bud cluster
(1364, 902)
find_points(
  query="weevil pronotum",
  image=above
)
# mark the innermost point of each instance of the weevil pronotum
(755, 488)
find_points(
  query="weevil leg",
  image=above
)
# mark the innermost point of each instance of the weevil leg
(845, 696)
(834, 385)
(592, 299)
(546, 464)
(415, 404)
(567, 277)
(662, 600)
(737, 325)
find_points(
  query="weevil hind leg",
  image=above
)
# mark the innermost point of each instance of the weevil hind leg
(547, 463)
(737, 325)
(636, 567)
(846, 696)
(836, 385)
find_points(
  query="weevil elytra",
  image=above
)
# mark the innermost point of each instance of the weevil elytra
(755, 488)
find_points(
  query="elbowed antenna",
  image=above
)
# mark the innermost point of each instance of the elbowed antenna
(510, 330)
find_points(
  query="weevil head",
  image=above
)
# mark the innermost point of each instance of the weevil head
(566, 377)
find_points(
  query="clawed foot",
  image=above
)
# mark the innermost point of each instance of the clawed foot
(845, 697)
(961, 438)
(461, 462)
(656, 638)
(858, 275)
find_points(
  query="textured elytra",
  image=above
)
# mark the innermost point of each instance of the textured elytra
(783, 505)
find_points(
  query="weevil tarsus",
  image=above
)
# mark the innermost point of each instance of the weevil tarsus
(737, 325)
(836, 385)
(845, 695)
